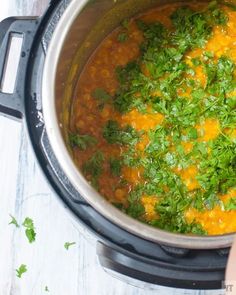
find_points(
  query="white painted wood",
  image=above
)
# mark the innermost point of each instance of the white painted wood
(25, 192)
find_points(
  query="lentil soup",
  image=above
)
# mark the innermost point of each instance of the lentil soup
(153, 125)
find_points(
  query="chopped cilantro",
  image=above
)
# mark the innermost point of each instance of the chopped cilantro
(82, 141)
(115, 166)
(122, 37)
(125, 97)
(208, 55)
(67, 245)
(220, 76)
(119, 206)
(13, 221)
(192, 133)
(101, 94)
(125, 24)
(178, 224)
(135, 210)
(194, 28)
(30, 229)
(131, 158)
(122, 136)
(21, 270)
(218, 172)
(155, 34)
(93, 167)
(230, 205)
(196, 61)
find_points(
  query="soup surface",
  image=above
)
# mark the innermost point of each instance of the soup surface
(153, 122)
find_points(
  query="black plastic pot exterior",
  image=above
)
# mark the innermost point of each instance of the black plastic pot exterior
(117, 249)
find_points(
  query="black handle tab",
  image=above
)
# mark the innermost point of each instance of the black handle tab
(13, 103)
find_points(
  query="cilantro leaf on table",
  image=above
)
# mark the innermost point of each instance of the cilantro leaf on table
(30, 229)
(215, 15)
(21, 270)
(67, 245)
(14, 221)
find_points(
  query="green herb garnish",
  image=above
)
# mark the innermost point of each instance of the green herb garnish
(162, 80)
(93, 167)
(82, 141)
(135, 210)
(102, 96)
(114, 134)
(230, 205)
(122, 37)
(115, 166)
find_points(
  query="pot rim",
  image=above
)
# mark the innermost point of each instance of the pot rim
(75, 176)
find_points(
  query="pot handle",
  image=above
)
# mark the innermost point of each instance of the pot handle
(23, 29)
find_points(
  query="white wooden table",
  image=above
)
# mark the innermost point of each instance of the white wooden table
(25, 192)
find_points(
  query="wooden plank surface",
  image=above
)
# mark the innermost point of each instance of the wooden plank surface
(25, 192)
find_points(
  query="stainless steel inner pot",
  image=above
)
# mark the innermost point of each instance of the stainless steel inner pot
(83, 25)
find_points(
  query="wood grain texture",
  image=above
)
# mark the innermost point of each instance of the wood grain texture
(25, 192)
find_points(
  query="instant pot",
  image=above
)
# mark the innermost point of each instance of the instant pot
(55, 48)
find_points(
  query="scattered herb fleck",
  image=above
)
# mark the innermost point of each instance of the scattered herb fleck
(67, 245)
(46, 289)
(21, 270)
(30, 229)
(13, 221)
